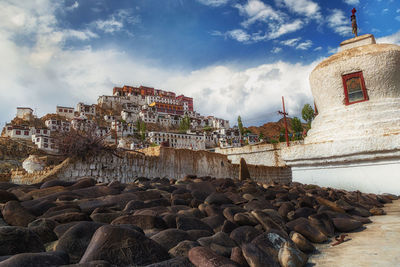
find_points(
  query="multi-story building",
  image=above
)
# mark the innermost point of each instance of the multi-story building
(58, 125)
(16, 131)
(177, 140)
(66, 112)
(86, 109)
(187, 102)
(24, 113)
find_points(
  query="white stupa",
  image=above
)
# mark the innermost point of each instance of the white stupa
(354, 142)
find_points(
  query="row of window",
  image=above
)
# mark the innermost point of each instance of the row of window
(18, 132)
(65, 110)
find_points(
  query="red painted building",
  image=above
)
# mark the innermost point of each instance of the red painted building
(186, 99)
(149, 91)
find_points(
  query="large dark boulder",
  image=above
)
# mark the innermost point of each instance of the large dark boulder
(205, 257)
(6, 196)
(175, 262)
(70, 217)
(244, 234)
(190, 223)
(76, 239)
(257, 257)
(16, 215)
(15, 240)
(55, 258)
(182, 248)
(143, 221)
(170, 238)
(217, 199)
(307, 229)
(123, 246)
(44, 229)
(346, 225)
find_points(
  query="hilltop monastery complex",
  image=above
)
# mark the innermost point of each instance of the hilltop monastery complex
(118, 114)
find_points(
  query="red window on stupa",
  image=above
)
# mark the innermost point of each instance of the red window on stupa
(354, 88)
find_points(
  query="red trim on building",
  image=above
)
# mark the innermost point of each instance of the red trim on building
(364, 89)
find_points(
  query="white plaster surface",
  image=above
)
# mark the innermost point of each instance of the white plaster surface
(262, 154)
(368, 177)
(33, 164)
(378, 245)
(365, 39)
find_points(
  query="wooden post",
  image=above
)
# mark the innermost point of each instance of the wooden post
(284, 119)
(116, 132)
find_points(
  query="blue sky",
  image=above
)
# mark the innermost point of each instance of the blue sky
(235, 57)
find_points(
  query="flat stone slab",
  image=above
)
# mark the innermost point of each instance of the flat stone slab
(378, 245)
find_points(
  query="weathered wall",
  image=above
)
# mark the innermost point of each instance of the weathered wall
(263, 154)
(170, 163)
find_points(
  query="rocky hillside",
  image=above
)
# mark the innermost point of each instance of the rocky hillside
(13, 152)
(272, 129)
(193, 222)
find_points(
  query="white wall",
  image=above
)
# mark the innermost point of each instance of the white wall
(378, 177)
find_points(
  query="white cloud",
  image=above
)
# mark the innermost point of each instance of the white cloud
(307, 8)
(213, 2)
(398, 10)
(117, 21)
(275, 32)
(276, 22)
(397, 18)
(73, 6)
(282, 29)
(295, 42)
(319, 48)
(339, 23)
(276, 50)
(352, 2)
(304, 45)
(239, 35)
(256, 10)
(391, 39)
(291, 42)
(251, 93)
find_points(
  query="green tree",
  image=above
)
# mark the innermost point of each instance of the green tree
(141, 129)
(184, 125)
(307, 113)
(282, 137)
(297, 128)
(261, 136)
(240, 125)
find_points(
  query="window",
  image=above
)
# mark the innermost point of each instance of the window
(26, 133)
(354, 88)
(38, 131)
(45, 131)
(46, 145)
(60, 110)
(18, 132)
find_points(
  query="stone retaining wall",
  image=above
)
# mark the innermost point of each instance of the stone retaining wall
(170, 163)
(262, 154)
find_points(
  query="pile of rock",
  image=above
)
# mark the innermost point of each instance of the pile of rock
(161, 222)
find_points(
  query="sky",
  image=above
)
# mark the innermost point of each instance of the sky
(234, 57)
